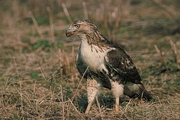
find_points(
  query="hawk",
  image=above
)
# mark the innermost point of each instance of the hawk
(104, 64)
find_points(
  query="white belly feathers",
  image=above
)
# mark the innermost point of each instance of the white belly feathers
(93, 56)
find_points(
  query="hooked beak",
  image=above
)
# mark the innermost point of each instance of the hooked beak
(69, 32)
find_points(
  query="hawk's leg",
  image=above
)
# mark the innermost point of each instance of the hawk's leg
(117, 90)
(92, 90)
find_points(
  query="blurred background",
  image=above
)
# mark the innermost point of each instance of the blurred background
(38, 78)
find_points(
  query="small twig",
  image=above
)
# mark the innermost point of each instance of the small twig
(85, 10)
(67, 64)
(51, 23)
(66, 13)
(99, 108)
(60, 64)
(79, 84)
(160, 55)
(43, 75)
(127, 105)
(76, 109)
(175, 51)
(73, 58)
(36, 24)
(62, 99)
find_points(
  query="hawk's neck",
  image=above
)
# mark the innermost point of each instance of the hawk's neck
(95, 38)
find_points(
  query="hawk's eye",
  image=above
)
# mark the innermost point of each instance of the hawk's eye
(76, 25)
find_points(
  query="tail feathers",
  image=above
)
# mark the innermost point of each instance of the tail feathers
(137, 90)
(145, 95)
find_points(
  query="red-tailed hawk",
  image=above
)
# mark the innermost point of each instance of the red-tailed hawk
(107, 65)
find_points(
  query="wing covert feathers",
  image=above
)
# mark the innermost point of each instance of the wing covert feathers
(120, 62)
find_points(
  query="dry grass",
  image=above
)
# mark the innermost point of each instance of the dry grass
(38, 78)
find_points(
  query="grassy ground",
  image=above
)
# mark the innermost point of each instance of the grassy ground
(38, 78)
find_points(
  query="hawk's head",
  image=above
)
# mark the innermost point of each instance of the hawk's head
(81, 27)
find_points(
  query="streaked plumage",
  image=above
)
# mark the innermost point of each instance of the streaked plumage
(107, 65)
